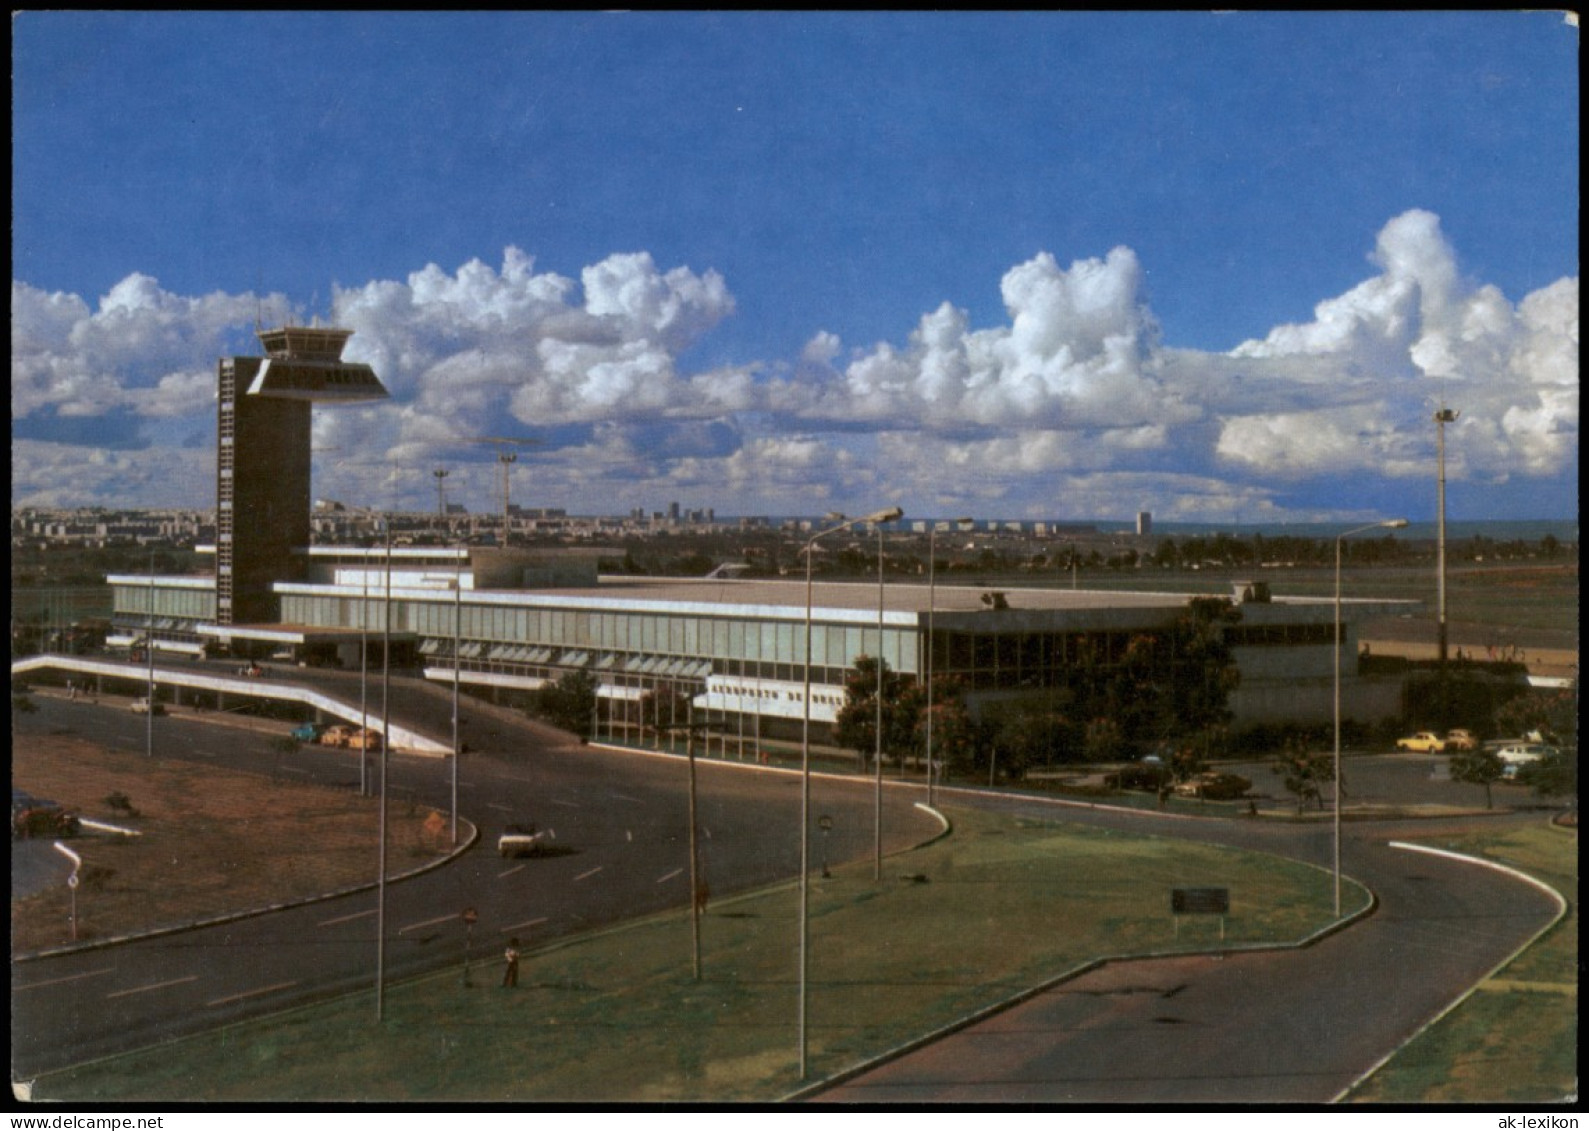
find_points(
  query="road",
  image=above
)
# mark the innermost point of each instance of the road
(1277, 1027)
(1263, 1028)
(621, 824)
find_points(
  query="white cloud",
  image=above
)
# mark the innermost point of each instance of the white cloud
(1419, 337)
(1070, 407)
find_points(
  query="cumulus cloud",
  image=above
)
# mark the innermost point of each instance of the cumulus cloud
(1071, 406)
(1419, 336)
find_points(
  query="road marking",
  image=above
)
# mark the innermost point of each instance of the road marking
(494, 805)
(347, 918)
(294, 770)
(426, 923)
(510, 871)
(626, 797)
(670, 875)
(567, 804)
(156, 986)
(521, 926)
(587, 875)
(67, 978)
(251, 993)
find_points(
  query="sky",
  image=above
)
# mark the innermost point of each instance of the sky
(1064, 266)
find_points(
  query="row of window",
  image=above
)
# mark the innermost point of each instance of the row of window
(720, 638)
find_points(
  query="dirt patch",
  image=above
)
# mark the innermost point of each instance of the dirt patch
(212, 841)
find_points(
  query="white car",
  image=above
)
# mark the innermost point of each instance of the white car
(1517, 754)
(523, 840)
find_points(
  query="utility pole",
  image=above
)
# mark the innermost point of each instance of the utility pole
(1442, 418)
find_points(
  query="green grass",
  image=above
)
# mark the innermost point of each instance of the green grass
(1516, 1039)
(616, 1017)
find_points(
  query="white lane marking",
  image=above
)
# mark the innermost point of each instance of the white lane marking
(567, 804)
(251, 993)
(156, 986)
(670, 875)
(495, 805)
(587, 875)
(626, 797)
(521, 926)
(294, 770)
(510, 871)
(67, 978)
(347, 918)
(426, 923)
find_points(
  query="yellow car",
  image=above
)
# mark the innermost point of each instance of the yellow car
(1424, 742)
(1461, 740)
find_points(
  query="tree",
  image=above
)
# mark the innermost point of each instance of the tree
(954, 735)
(1104, 741)
(856, 728)
(1478, 767)
(663, 707)
(1304, 773)
(1554, 775)
(570, 703)
(1553, 716)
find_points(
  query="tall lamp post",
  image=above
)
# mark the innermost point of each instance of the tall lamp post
(1388, 524)
(148, 647)
(888, 515)
(877, 793)
(457, 677)
(932, 591)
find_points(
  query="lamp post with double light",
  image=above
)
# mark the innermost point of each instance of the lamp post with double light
(888, 515)
(1388, 524)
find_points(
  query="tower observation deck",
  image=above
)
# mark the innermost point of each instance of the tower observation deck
(262, 462)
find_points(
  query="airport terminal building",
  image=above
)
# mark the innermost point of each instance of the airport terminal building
(504, 620)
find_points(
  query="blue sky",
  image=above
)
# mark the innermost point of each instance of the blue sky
(1017, 265)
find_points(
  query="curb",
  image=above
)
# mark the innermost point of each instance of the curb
(254, 912)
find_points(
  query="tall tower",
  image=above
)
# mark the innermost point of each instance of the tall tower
(262, 495)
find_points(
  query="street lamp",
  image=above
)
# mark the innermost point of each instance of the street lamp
(1388, 524)
(457, 677)
(888, 515)
(932, 590)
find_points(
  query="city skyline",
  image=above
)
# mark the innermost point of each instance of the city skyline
(1066, 266)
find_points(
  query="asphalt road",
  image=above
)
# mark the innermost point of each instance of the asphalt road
(1279, 1027)
(1276, 1027)
(621, 821)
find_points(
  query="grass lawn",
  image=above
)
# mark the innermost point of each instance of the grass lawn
(1516, 1038)
(998, 907)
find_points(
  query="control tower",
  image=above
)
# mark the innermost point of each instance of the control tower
(262, 492)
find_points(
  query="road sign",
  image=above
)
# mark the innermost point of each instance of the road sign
(1200, 901)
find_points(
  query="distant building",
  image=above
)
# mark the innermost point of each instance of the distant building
(1144, 523)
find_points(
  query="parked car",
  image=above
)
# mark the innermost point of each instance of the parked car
(1424, 742)
(1518, 754)
(523, 840)
(308, 732)
(364, 739)
(1461, 740)
(1215, 786)
(35, 817)
(337, 735)
(141, 706)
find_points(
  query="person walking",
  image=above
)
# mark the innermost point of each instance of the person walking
(510, 976)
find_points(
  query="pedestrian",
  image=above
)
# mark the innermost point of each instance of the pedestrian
(510, 976)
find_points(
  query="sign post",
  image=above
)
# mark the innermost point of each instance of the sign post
(470, 918)
(1200, 901)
